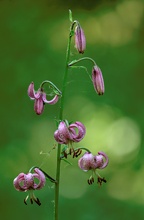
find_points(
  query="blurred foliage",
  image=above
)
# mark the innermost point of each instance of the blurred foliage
(33, 42)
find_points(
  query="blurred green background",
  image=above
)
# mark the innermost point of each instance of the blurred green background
(33, 40)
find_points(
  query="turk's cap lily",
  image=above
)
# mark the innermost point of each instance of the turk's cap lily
(66, 133)
(40, 98)
(98, 81)
(24, 182)
(90, 162)
(27, 182)
(80, 41)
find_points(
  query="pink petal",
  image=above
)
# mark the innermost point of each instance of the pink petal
(29, 181)
(52, 101)
(97, 79)
(80, 41)
(81, 131)
(31, 92)
(41, 177)
(106, 160)
(39, 106)
(98, 160)
(85, 162)
(63, 130)
(18, 182)
(60, 138)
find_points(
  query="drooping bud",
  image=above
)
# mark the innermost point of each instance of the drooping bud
(97, 79)
(80, 41)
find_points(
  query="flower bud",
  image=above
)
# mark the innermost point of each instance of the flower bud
(97, 79)
(80, 41)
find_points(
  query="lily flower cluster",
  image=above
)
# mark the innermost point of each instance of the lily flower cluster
(90, 162)
(27, 182)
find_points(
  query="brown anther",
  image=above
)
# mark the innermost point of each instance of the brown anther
(92, 180)
(74, 154)
(65, 154)
(25, 201)
(31, 201)
(100, 180)
(38, 201)
(88, 181)
(77, 153)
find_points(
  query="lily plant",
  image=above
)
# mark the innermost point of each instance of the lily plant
(67, 134)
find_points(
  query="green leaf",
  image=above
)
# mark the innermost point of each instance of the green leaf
(66, 161)
(64, 148)
(72, 63)
(70, 16)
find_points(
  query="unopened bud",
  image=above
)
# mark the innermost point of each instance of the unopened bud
(97, 79)
(80, 41)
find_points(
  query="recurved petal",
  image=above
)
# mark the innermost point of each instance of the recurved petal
(52, 101)
(31, 92)
(19, 182)
(79, 135)
(63, 130)
(60, 138)
(106, 160)
(41, 177)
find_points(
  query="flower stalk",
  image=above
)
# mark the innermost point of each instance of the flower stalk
(60, 118)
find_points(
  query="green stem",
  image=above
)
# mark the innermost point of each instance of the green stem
(60, 118)
(81, 59)
(53, 85)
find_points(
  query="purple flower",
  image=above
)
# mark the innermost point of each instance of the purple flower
(80, 41)
(90, 162)
(66, 133)
(40, 98)
(26, 182)
(97, 79)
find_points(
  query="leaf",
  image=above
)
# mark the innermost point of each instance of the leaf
(70, 16)
(66, 161)
(72, 63)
